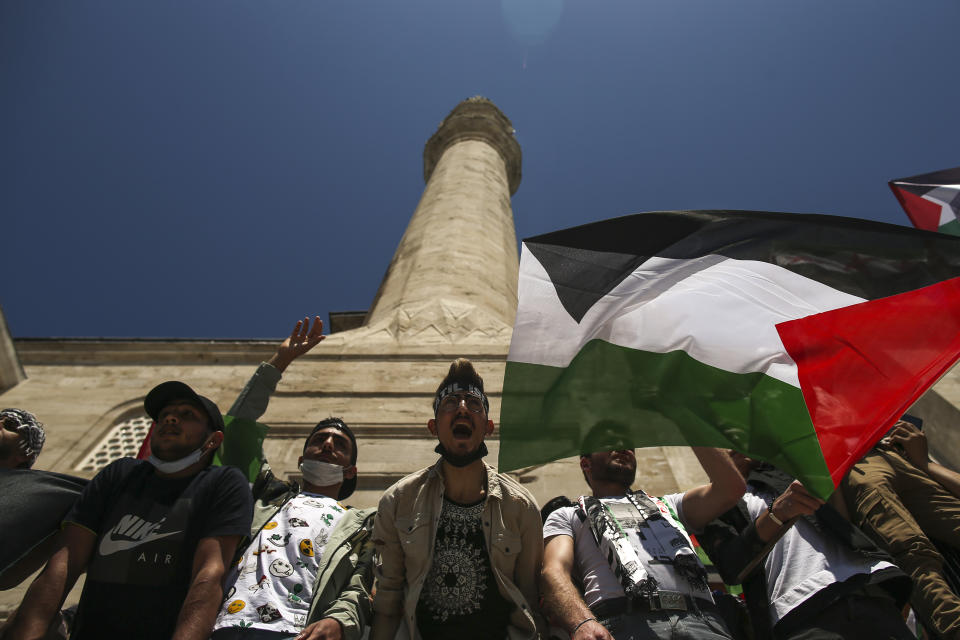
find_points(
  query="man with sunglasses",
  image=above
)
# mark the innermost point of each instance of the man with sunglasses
(460, 545)
(638, 574)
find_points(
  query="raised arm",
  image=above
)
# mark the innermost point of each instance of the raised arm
(703, 504)
(303, 338)
(199, 610)
(562, 602)
(253, 400)
(739, 542)
(45, 596)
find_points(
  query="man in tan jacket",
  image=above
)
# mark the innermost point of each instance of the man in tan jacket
(460, 546)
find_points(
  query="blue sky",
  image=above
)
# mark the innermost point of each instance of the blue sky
(215, 168)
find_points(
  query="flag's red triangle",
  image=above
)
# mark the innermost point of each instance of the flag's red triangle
(862, 366)
(923, 213)
(144, 451)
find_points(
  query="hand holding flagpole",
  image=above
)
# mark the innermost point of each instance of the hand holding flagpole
(789, 506)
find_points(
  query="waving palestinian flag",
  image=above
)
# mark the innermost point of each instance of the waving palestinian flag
(797, 339)
(931, 200)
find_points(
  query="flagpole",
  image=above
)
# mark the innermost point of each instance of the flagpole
(766, 550)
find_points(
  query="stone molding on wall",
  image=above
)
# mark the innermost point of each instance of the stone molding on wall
(437, 322)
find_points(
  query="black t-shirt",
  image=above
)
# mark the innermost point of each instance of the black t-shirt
(147, 531)
(460, 598)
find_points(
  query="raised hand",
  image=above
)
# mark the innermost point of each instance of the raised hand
(303, 338)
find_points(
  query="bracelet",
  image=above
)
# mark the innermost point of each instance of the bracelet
(582, 622)
(775, 519)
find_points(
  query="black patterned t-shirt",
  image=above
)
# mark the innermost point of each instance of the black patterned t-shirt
(460, 598)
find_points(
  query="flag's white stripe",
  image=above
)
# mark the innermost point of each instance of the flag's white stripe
(720, 311)
(942, 196)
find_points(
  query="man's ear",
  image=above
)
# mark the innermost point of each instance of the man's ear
(432, 426)
(489, 427)
(349, 472)
(215, 440)
(585, 463)
(299, 461)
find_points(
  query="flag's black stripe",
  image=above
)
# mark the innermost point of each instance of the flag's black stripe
(923, 189)
(945, 176)
(915, 189)
(863, 258)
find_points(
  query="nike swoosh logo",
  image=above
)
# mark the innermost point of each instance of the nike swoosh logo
(108, 545)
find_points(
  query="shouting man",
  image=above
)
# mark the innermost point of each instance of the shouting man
(460, 544)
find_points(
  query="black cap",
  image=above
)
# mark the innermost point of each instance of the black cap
(166, 392)
(349, 484)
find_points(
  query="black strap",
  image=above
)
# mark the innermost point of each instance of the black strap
(662, 601)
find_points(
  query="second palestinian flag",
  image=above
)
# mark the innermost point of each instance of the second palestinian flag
(797, 339)
(931, 200)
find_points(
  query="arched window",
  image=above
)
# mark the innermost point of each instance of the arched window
(123, 440)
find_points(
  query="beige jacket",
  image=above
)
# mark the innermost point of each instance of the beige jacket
(406, 527)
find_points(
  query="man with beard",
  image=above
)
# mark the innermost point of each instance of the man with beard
(21, 439)
(154, 537)
(460, 545)
(308, 569)
(630, 552)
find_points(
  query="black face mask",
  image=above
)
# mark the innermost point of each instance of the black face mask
(462, 460)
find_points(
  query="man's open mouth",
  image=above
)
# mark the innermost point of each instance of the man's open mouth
(462, 431)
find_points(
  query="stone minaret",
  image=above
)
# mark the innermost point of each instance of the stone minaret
(453, 278)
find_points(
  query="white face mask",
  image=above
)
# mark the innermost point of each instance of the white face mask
(320, 473)
(173, 466)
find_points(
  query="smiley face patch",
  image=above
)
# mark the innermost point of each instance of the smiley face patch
(281, 568)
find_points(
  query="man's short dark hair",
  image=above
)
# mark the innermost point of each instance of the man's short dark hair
(552, 505)
(349, 484)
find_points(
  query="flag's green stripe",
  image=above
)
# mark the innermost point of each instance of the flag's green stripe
(660, 399)
(242, 446)
(952, 227)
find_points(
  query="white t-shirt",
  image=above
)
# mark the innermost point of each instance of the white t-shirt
(804, 561)
(593, 571)
(273, 581)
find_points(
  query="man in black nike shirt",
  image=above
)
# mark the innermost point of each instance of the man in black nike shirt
(155, 537)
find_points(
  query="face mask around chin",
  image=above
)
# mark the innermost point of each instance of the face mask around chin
(462, 460)
(173, 466)
(320, 473)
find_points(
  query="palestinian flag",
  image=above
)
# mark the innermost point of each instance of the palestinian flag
(931, 200)
(796, 339)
